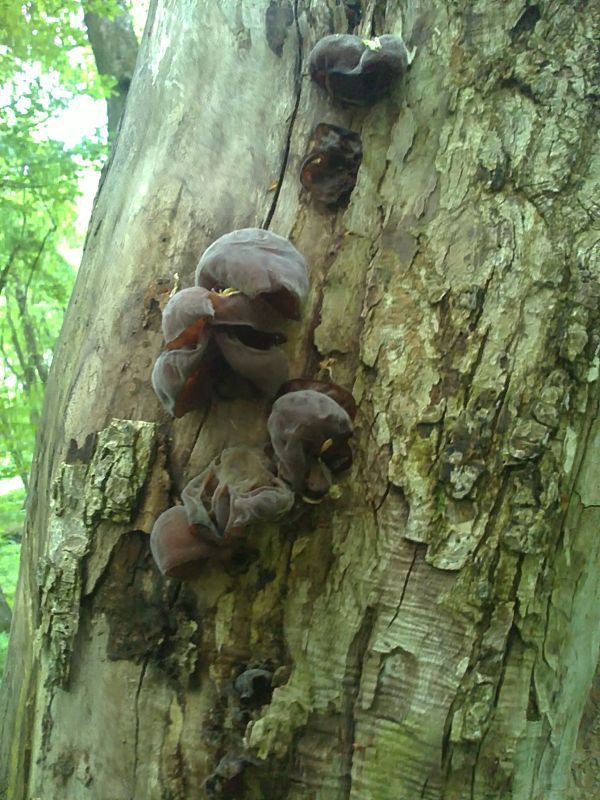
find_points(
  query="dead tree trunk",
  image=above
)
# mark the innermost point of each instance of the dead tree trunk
(433, 633)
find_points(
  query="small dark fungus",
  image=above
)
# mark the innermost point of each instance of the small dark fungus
(183, 379)
(175, 547)
(227, 781)
(305, 427)
(185, 317)
(329, 171)
(341, 396)
(358, 71)
(254, 687)
(255, 358)
(257, 263)
(236, 489)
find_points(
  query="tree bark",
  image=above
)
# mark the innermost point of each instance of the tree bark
(115, 49)
(5, 613)
(434, 632)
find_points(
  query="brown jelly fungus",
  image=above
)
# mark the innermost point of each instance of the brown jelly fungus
(357, 71)
(329, 171)
(309, 433)
(238, 488)
(185, 317)
(338, 393)
(257, 263)
(182, 379)
(176, 548)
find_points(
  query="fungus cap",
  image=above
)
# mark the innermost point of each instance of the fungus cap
(237, 488)
(257, 262)
(182, 379)
(304, 426)
(338, 393)
(266, 368)
(175, 547)
(185, 316)
(357, 71)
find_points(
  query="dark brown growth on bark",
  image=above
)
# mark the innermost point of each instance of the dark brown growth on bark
(278, 18)
(353, 9)
(357, 71)
(309, 433)
(185, 317)
(257, 263)
(329, 171)
(183, 379)
(176, 548)
(341, 396)
(238, 488)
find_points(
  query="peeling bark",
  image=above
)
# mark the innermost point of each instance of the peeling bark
(434, 632)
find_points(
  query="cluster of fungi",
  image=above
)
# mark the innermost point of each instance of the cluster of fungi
(248, 284)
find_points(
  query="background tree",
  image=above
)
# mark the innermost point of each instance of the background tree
(115, 48)
(434, 632)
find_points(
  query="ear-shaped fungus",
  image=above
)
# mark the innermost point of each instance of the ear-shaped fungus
(329, 171)
(309, 432)
(257, 263)
(341, 396)
(247, 333)
(182, 379)
(185, 317)
(175, 546)
(236, 489)
(357, 71)
(265, 368)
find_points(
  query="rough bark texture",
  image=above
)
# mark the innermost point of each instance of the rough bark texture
(433, 633)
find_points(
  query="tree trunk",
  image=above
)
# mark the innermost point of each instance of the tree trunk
(115, 49)
(434, 632)
(5, 613)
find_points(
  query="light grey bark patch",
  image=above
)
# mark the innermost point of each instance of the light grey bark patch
(81, 496)
(60, 574)
(118, 470)
(278, 18)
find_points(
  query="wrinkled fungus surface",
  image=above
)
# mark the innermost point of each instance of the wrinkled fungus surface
(236, 489)
(175, 547)
(357, 71)
(257, 263)
(309, 432)
(329, 171)
(203, 329)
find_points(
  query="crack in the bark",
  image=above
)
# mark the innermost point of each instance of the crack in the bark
(288, 143)
(406, 579)
(136, 735)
